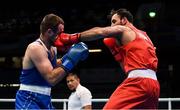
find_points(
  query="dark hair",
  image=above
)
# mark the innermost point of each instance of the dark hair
(122, 12)
(73, 74)
(50, 21)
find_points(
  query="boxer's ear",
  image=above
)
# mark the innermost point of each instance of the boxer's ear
(123, 20)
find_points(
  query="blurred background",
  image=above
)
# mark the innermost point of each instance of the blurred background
(19, 25)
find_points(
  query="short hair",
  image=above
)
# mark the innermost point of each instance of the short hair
(73, 74)
(122, 12)
(50, 21)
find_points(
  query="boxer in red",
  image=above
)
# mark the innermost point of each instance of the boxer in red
(136, 54)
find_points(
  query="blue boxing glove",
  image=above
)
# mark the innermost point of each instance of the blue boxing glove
(77, 52)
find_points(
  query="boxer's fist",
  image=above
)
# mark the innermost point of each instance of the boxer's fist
(113, 47)
(64, 41)
(78, 52)
(111, 44)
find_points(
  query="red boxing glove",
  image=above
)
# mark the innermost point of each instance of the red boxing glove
(64, 41)
(69, 38)
(113, 47)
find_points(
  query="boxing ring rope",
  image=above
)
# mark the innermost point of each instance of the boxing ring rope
(64, 101)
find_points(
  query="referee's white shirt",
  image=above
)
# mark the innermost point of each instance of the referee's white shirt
(79, 98)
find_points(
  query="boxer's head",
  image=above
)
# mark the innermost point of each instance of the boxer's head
(121, 17)
(51, 26)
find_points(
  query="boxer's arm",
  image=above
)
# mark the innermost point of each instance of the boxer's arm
(101, 32)
(39, 57)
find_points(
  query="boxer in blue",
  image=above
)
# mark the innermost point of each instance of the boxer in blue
(41, 69)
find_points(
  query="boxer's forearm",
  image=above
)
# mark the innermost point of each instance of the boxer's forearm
(91, 34)
(101, 32)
